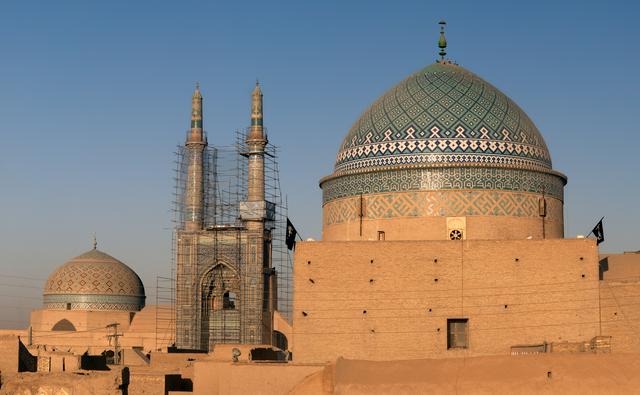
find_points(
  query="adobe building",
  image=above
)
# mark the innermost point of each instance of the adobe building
(443, 233)
(90, 298)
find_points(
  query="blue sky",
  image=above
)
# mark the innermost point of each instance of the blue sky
(94, 97)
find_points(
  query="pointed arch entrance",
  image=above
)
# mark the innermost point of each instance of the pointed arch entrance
(220, 305)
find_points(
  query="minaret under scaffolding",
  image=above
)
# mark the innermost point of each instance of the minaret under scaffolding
(189, 231)
(195, 146)
(258, 277)
(256, 142)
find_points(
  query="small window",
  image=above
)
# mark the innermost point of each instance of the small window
(381, 235)
(68, 306)
(229, 301)
(457, 333)
(542, 207)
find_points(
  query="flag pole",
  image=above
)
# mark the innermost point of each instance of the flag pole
(590, 233)
(286, 202)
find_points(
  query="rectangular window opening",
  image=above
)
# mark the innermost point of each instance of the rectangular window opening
(457, 333)
(381, 235)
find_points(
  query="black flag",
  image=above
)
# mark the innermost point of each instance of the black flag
(291, 235)
(598, 232)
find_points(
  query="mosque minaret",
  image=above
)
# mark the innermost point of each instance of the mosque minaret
(195, 145)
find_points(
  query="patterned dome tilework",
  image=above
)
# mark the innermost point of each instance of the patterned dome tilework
(443, 115)
(94, 275)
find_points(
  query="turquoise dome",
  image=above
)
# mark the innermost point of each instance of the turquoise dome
(443, 116)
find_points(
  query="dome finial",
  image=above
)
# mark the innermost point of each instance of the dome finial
(442, 42)
(95, 241)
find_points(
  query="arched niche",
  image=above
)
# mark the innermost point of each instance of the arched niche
(64, 325)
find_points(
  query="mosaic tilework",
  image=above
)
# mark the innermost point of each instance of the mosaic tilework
(443, 114)
(93, 306)
(94, 278)
(440, 203)
(455, 178)
(94, 302)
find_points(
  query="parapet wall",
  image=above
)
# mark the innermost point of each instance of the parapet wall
(532, 374)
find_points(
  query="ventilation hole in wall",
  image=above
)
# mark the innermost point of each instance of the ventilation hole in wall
(372, 261)
(308, 262)
(370, 281)
(429, 310)
(615, 313)
(505, 306)
(583, 276)
(435, 260)
(517, 259)
(373, 331)
(549, 374)
(455, 234)
(435, 280)
(304, 313)
(438, 330)
(364, 311)
(582, 258)
(311, 281)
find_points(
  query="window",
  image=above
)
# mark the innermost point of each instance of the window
(229, 301)
(457, 333)
(381, 235)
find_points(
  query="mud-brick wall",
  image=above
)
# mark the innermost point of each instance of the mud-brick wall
(386, 300)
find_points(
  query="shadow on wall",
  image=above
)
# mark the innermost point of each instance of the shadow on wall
(93, 362)
(175, 382)
(603, 266)
(269, 354)
(280, 340)
(26, 361)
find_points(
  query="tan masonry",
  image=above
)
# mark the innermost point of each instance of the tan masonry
(390, 300)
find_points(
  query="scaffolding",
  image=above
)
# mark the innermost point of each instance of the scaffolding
(281, 258)
(165, 313)
(227, 278)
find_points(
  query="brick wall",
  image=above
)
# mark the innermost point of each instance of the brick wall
(381, 301)
(620, 300)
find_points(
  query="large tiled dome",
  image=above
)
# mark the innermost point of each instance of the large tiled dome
(94, 281)
(443, 153)
(442, 115)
